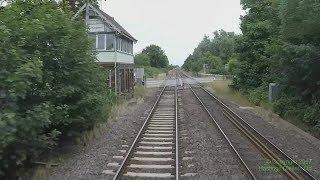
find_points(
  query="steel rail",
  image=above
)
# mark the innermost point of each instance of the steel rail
(257, 138)
(130, 152)
(177, 131)
(245, 128)
(250, 173)
(121, 169)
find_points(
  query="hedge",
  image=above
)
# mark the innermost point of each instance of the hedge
(50, 83)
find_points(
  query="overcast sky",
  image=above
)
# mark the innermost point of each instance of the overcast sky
(175, 25)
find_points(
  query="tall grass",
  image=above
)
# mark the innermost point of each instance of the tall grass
(140, 92)
(222, 88)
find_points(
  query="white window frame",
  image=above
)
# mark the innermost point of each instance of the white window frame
(105, 43)
(126, 46)
(114, 43)
(119, 41)
(97, 42)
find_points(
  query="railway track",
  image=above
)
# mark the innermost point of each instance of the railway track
(237, 132)
(155, 150)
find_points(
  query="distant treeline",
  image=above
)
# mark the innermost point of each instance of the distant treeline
(280, 43)
(216, 53)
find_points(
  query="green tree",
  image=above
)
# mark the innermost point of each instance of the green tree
(280, 43)
(300, 21)
(214, 63)
(260, 28)
(203, 47)
(214, 52)
(223, 45)
(233, 66)
(141, 60)
(50, 82)
(299, 65)
(299, 56)
(157, 56)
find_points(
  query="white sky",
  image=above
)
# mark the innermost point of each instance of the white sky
(175, 25)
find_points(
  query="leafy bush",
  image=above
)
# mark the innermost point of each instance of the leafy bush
(294, 107)
(233, 66)
(258, 96)
(50, 82)
(312, 115)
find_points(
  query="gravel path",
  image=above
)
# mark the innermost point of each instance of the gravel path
(212, 156)
(296, 143)
(90, 161)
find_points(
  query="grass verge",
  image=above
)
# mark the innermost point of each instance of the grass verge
(222, 89)
(140, 92)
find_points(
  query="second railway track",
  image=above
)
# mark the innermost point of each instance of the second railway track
(240, 134)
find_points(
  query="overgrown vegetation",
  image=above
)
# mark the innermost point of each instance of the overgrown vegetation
(50, 83)
(140, 91)
(280, 43)
(154, 60)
